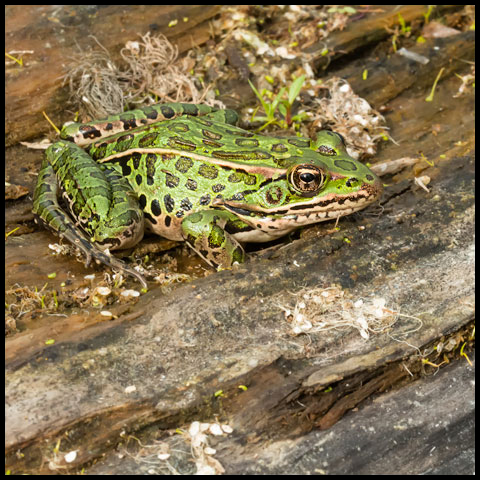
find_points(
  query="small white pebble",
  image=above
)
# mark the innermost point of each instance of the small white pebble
(209, 451)
(70, 456)
(55, 247)
(204, 427)
(227, 428)
(106, 313)
(215, 429)
(203, 469)
(130, 293)
(89, 277)
(130, 389)
(104, 291)
(194, 429)
(283, 52)
(163, 456)
(198, 439)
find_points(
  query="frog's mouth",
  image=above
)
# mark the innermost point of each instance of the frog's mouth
(312, 210)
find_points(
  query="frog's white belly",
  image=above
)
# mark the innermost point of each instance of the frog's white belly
(259, 236)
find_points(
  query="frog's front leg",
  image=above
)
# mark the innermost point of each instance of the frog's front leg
(209, 233)
(102, 204)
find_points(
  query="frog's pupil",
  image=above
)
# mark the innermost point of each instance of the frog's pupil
(307, 177)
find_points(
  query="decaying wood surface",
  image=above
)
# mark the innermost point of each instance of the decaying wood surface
(180, 350)
(43, 86)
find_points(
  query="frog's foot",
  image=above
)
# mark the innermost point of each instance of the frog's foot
(208, 232)
(90, 251)
(113, 220)
(115, 263)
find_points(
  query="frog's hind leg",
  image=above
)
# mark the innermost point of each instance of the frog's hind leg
(209, 233)
(101, 202)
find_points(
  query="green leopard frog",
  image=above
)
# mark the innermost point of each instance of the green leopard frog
(186, 172)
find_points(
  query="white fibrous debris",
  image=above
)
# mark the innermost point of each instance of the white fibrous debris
(350, 115)
(326, 309)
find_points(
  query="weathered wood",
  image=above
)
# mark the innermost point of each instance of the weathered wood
(40, 80)
(369, 29)
(388, 77)
(412, 431)
(228, 330)
(214, 339)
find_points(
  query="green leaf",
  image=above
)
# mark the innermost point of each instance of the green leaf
(262, 101)
(277, 99)
(295, 88)
(282, 109)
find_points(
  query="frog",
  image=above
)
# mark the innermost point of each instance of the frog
(189, 173)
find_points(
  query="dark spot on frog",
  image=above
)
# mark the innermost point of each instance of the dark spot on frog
(190, 109)
(218, 188)
(346, 165)
(136, 157)
(191, 184)
(183, 164)
(349, 182)
(298, 142)
(150, 113)
(246, 142)
(155, 207)
(167, 112)
(171, 181)
(128, 123)
(149, 218)
(169, 202)
(186, 204)
(205, 200)
(208, 171)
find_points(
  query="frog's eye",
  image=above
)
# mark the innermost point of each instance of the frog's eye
(307, 179)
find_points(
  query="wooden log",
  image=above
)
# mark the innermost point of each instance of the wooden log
(181, 349)
(40, 80)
